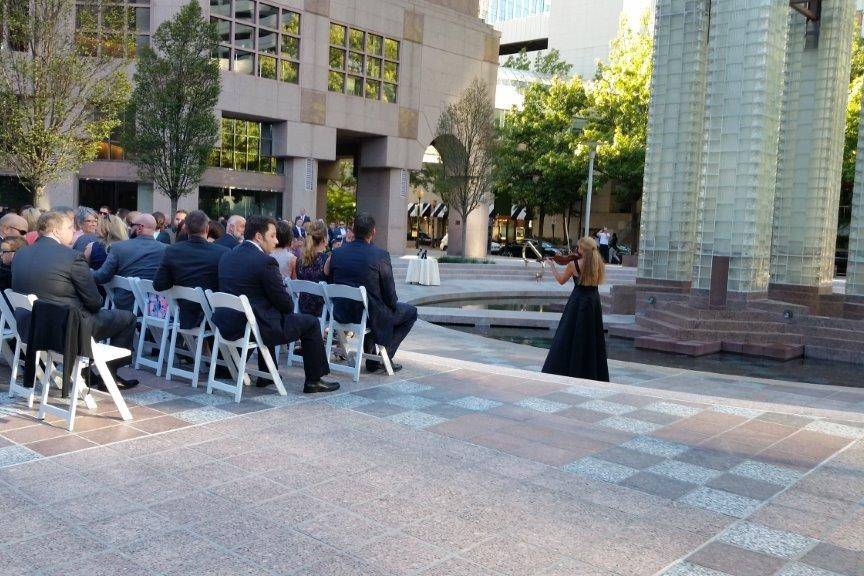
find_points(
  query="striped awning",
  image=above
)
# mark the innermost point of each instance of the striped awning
(440, 211)
(425, 209)
(518, 212)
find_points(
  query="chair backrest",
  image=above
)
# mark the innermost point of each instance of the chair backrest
(147, 299)
(194, 295)
(298, 287)
(295, 297)
(120, 283)
(7, 318)
(334, 292)
(17, 300)
(238, 304)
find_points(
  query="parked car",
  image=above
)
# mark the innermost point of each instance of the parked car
(515, 249)
(425, 239)
(494, 248)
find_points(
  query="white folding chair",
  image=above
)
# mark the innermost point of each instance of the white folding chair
(25, 302)
(296, 288)
(101, 354)
(193, 337)
(8, 331)
(120, 283)
(340, 330)
(156, 321)
(237, 351)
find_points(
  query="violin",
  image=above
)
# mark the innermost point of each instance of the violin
(565, 259)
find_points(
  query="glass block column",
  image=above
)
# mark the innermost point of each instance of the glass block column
(811, 152)
(675, 128)
(746, 55)
(855, 267)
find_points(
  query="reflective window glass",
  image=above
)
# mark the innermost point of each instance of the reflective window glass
(290, 22)
(374, 44)
(391, 72)
(243, 62)
(268, 16)
(373, 89)
(337, 59)
(291, 47)
(142, 20)
(244, 10)
(388, 92)
(391, 49)
(355, 63)
(223, 55)
(267, 67)
(220, 7)
(373, 67)
(289, 71)
(223, 28)
(267, 41)
(337, 35)
(336, 82)
(354, 86)
(244, 36)
(358, 38)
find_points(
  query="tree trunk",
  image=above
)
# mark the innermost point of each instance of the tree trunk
(40, 200)
(174, 199)
(540, 220)
(464, 232)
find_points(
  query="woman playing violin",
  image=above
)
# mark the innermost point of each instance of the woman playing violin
(579, 346)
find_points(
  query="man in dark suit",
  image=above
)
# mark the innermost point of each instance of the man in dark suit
(54, 272)
(193, 264)
(249, 269)
(234, 228)
(299, 230)
(304, 218)
(361, 263)
(138, 257)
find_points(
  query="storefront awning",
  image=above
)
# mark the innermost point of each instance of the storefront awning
(425, 209)
(440, 211)
(518, 212)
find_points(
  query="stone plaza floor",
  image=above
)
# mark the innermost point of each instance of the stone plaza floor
(451, 468)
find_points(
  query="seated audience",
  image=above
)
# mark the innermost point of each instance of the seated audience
(282, 253)
(179, 217)
(86, 222)
(249, 269)
(162, 235)
(54, 272)
(31, 215)
(110, 231)
(138, 257)
(193, 263)
(313, 265)
(216, 232)
(361, 263)
(233, 231)
(12, 224)
(8, 247)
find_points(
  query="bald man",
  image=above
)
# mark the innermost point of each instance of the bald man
(137, 257)
(12, 225)
(234, 229)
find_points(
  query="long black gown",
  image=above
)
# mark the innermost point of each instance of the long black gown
(579, 347)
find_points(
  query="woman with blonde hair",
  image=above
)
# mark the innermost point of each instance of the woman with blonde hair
(111, 229)
(579, 346)
(313, 265)
(31, 215)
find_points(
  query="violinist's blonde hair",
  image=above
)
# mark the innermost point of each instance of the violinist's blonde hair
(593, 270)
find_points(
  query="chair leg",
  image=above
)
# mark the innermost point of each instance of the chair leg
(111, 385)
(73, 396)
(241, 369)
(199, 351)
(172, 352)
(273, 369)
(328, 347)
(385, 359)
(16, 360)
(214, 360)
(140, 349)
(162, 343)
(46, 389)
(358, 358)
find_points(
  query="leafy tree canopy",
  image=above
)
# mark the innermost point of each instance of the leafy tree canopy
(544, 63)
(853, 117)
(342, 194)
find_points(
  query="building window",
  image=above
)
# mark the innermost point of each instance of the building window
(110, 148)
(225, 201)
(257, 38)
(246, 145)
(114, 28)
(363, 63)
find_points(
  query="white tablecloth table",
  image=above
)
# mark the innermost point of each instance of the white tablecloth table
(423, 271)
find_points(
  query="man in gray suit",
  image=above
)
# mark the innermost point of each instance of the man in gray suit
(138, 257)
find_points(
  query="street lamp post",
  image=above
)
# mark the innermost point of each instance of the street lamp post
(592, 153)
(419, 213)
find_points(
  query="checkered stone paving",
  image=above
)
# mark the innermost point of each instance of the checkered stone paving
(448, 468)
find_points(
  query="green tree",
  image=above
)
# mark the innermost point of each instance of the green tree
(552, 64)
(171, 125)
(342, 194)
(853, 118)
(618, 112)
(59, 97)
(539, 163)
(518, 61)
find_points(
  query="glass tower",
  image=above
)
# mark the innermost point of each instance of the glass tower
(501, 10)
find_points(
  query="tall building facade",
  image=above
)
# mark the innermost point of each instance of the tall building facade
(304, 84)
(494, 11)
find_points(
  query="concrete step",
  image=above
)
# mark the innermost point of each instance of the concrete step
(688, 323)
(678, 346)
(831, 353)
(726, 314)
(628, 332)
(830, 332)
(774, 351)
(836, 343)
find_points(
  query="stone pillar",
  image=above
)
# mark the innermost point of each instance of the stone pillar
(321, 200)
(477, 239)
(675, 130)
(383, 193)
(810, 156)
(301, 177)
(746, 55)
